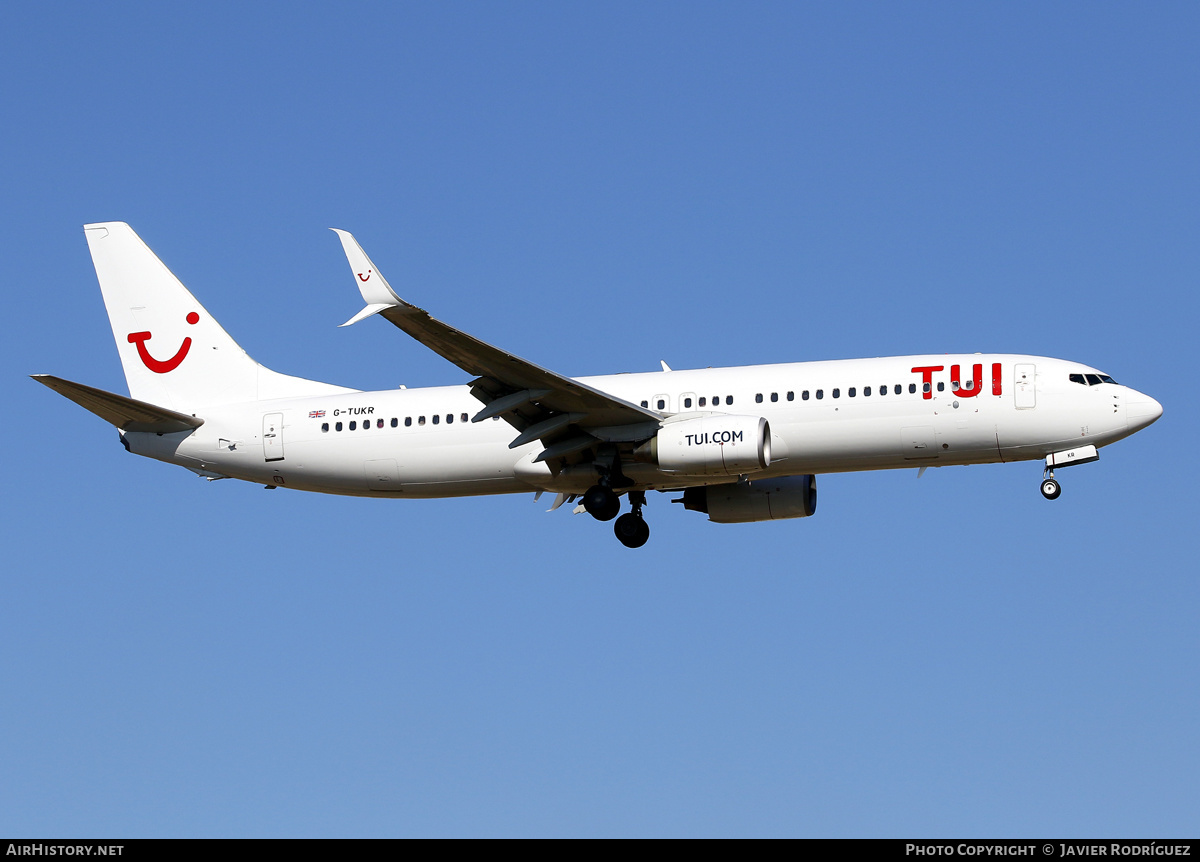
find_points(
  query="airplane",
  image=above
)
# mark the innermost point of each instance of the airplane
(738, 444)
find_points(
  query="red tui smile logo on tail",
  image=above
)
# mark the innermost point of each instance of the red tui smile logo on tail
(159, 366)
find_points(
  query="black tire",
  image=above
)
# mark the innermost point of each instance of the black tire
(632, 530)
(601, 503)
(1051, 489)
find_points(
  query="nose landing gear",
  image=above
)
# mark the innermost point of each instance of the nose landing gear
(631, 528)
(1050, 487)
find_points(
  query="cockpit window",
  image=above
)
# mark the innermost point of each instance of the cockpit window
(1078, 378)
(1108, 379)
(1093, 379)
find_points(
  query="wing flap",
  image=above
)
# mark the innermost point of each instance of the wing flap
(127, 414)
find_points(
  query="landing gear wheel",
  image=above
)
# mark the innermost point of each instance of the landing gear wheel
(601, 503)
(1051, 489)
(632, 530)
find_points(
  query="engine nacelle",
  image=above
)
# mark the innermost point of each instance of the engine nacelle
(717, 445)
(762, 500)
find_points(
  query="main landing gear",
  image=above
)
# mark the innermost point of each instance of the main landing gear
(631, 528)
(603, 504)
(1050, 487)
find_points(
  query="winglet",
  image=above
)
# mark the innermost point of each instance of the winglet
(375, 290)
(373, 308)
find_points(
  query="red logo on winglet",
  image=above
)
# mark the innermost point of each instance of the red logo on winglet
(159, 366)
(364, 278)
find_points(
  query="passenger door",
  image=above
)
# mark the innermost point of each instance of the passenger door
(273, 437)
(1025, 386)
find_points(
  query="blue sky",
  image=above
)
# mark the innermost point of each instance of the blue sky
(597, 187)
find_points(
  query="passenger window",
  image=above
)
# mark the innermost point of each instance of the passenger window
(379, 424)
(804, 395)
(912, 387)
(1093, 379)
(866, 392)
(395, 422)
(728, 399)
(645, 403)
(436, 418)
(420, 420)
(407, 421)
(941, 386)
(758, 398)
(662, 404)
(953, 385)
(449, 418)
(924, 387)
(703, 400)
(837, 393)
(687, 402)
(900, 388)
(820, 394)
(791, 396)
(463, 417)
(324, 426)
(852, 392)
(353, 425)
(774, 397)
(337, 427)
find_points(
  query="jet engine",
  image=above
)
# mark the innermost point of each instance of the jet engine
(718, 445)
(761, 500)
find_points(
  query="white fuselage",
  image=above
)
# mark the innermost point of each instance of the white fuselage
(420, 442)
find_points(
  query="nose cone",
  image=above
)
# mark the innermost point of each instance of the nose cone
(1140, 410)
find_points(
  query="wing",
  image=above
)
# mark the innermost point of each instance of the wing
(567, 416)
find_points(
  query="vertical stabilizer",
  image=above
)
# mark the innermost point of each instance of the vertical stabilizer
(174, 353)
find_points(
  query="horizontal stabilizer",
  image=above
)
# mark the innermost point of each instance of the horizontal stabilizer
(126, 413)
